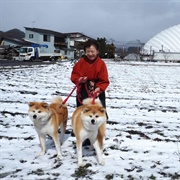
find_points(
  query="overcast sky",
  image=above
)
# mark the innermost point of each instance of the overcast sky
(120, 20)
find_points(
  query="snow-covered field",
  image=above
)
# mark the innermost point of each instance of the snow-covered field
(143, 131)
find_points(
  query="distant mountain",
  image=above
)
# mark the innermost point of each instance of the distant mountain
(135, 43)
(14, 33)
(1, 34)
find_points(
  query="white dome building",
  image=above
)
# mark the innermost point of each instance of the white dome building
(165, 45)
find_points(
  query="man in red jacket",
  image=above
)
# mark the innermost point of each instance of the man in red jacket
(90, 73)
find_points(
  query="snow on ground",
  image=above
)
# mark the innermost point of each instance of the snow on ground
(142, 136)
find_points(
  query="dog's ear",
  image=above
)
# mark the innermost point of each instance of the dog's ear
(44, 105)
(30, 104)
(102, 109)
(85, 110)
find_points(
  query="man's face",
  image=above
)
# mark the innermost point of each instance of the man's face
(91, 52)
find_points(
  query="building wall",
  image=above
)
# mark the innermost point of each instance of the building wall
(167, 40)
(9, 43)
(166, 57)
(80, 39)
(38, 38)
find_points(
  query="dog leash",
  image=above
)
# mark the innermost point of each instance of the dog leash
(69, 95)
(94, 96)
(65, 100)
(77, 86)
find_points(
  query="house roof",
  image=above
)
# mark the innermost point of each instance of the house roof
(167, 40)
(17, 40)
(46, 31)
(78, 35)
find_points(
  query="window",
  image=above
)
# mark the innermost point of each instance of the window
(30, 36)
(30, 49)
(23, 50)
(46, 38)
(57, 51)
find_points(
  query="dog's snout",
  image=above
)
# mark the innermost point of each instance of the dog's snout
(92, 121)
(34, 116)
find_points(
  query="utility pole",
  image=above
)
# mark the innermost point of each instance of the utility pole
(33, 22)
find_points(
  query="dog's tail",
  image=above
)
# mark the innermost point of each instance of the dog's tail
(58, 100)
(90, 100)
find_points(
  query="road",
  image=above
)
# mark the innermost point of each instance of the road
(19, 63)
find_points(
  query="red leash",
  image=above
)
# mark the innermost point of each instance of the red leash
(77, 86)
(69, 95)
(94, 97)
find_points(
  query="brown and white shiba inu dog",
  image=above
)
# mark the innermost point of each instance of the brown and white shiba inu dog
(47, 119)
(89, 121)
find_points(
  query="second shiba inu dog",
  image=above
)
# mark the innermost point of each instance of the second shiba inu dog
(89, 121)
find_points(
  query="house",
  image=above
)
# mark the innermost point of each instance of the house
(76, 37)
(77, 40)
(70, 45)
(13, 38)
(10, 43)
(56, 41)
(14, 42)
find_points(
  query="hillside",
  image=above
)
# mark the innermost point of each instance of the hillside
(15, 33)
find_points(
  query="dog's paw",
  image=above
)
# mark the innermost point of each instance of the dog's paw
(102, 162)
(59, 156)
(81, 164)
(41, 153)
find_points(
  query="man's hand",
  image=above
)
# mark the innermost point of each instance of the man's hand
(97, 91)
(82, 79)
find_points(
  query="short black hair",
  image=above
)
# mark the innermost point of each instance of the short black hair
(91, 42)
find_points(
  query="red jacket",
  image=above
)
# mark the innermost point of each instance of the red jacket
(93, 70)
